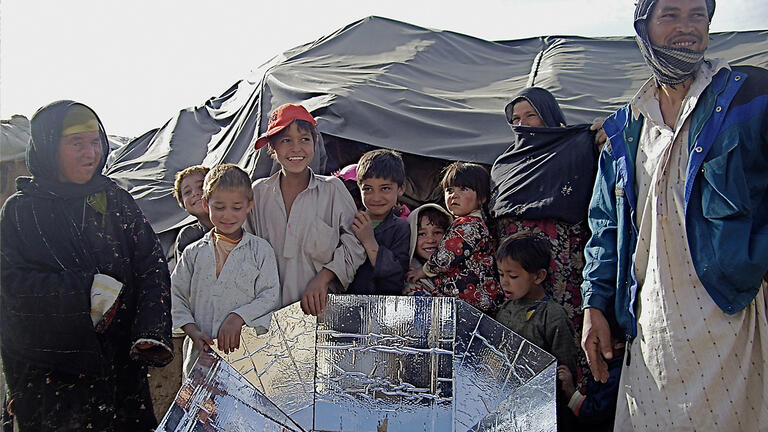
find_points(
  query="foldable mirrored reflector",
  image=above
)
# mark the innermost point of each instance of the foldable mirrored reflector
(373, 363)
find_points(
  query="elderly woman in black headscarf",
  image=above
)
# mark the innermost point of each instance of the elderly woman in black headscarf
(84, 287)
(543, 183)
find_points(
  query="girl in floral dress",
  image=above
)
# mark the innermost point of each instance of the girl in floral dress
(463, 264)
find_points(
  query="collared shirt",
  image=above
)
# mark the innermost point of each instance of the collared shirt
(655, 156)
(247, 286)
(222, 246)
(314, 236)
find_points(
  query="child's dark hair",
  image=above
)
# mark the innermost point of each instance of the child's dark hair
(383, 164)
(181, 175)
(227, 176)
(302, 125)
(434, 217)
(469, 175)
(528, 249)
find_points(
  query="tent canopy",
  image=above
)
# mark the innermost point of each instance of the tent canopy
(389, 84)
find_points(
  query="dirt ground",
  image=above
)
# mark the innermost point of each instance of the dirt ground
(165, 382)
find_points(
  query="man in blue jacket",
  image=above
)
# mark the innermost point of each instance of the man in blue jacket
(679, 246)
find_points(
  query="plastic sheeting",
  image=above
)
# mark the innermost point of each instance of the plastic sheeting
(14, 138)
(376, 363)
(394, 85)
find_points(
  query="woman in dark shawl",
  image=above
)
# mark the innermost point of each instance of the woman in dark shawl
(84, 286)
(543, 184)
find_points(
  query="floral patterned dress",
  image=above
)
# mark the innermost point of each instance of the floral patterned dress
(463, 265)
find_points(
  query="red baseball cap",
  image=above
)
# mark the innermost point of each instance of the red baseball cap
(280, 118)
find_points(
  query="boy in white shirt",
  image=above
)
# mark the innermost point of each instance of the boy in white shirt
(228, 278)
(307, 218)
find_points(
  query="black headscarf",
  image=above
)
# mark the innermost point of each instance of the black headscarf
(548, 172)
(42, 153)
(669, 65)
(543, 102)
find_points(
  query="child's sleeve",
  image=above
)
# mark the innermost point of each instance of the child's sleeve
(350, 253)
(181, 281)
(454, 249)
(266, 288)
(392, 261)
(559, 333)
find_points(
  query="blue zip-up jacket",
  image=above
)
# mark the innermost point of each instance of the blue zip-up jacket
(726, 199)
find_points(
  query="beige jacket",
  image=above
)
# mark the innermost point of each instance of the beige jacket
(316, 235)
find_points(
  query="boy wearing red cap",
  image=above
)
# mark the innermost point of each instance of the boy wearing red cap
(304, 216)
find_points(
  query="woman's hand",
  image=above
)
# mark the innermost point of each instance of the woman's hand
(600, 136)
(153, 352)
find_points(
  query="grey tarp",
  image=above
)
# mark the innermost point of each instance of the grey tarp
(384, 83)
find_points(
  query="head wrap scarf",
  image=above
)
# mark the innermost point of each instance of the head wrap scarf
(549, 171)
(543, 102)
(669, 65)
(42, 153)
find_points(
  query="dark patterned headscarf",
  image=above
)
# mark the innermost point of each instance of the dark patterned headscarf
(47, 125)
(543, 102)
(669, 65)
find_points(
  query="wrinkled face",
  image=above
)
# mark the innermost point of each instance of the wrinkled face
(461, 200)
(192, 194)
(427, 238)
(523, 114)
(379, 196)
(516, 282)
(679, 24)
(293, 149)
(79, 157)
(227, 209)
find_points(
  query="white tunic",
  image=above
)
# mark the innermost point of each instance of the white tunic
(247, 285)
(314, 236)
(692, 367)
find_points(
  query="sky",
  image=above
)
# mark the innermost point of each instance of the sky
(137, 63)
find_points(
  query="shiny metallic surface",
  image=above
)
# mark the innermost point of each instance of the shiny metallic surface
(281, 363)
(215, 398)
(386, 363)
(491, 364)
(530, 408)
